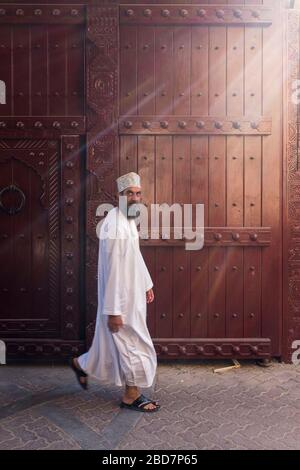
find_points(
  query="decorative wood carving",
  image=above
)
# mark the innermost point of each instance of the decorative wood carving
(70, 180)
(291, 274)
(102, 51)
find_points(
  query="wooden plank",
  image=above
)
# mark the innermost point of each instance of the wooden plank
(128, 70)
(216, 294)
(234, 293)
(217, 152)
(235, 181)
(199, 173)
(75, 70)
(217, 71)
(253, 70)
(199, 294)
(217, 165)
(39, 75)
(57, 70)
(21, 84)
(181, 172)
(235, 71)
(182, 70)
(199, 71)
(253, 181)
(128, 154)
(164, 293)
(6, 68)
(145, 70)
(181, 294)
(150, 260)
(253, 184)
(163, 170)
(26, 178)
(163, 61)
(146, 149)
(252, 293)
(181, 169)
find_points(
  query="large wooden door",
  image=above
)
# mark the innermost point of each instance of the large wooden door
(199, 111)
(189, 94)
(41, 123)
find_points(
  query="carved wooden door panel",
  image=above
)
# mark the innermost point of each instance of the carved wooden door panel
(30, 227)
(199, 117)
(39, 246)
(41, 123)
(291, 194)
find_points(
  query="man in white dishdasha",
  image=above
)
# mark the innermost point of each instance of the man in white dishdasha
(122, 352)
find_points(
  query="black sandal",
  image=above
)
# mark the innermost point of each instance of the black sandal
(140, 403)
(155, 402)
(79, 373)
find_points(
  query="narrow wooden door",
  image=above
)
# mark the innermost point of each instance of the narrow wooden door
(41, 123)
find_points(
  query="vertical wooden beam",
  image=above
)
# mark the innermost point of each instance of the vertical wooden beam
(291, 195)
(70, 221)
(102, 85)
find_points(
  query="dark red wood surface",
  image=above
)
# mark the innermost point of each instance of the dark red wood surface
(97, 73)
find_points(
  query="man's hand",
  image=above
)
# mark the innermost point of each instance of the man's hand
(114, 323)
(149, 296)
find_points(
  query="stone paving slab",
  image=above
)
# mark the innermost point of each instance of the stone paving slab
(42, 407)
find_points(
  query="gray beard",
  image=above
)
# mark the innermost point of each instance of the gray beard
(132, 216)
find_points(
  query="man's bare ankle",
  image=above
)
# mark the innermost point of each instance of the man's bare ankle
(76, 363)
(131, 393)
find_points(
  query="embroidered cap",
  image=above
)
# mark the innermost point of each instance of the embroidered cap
(128, 180)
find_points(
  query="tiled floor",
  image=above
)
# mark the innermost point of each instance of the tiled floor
(42, 407)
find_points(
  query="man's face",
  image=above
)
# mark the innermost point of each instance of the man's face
(134, 196)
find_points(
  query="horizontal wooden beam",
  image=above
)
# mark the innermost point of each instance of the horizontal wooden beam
(39, 124)
(41, 14)
(165, 14)
(56, 348)
(259, 125)
(217, 236)
(212, 347)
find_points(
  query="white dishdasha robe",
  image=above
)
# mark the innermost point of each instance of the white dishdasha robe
(128, 356)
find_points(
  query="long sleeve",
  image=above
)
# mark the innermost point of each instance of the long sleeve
(147, 277)
(114, 302)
